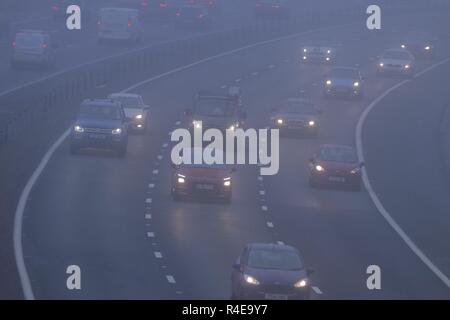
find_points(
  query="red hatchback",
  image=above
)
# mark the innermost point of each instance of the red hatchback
(335, 165)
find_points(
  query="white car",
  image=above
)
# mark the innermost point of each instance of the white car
(135, 109)
(32, 47)
(396, 61)
(319, 54)
(118, 24)
(343, 82)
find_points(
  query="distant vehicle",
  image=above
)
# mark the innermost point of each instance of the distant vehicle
(270, 271)
(335, 165)
(119, 24)
(213, 6)
(101, 124)
(396, 61)
(343, 82)
(196, 17)
(59, 8)
(279, 9)
(135, 109)
(202, 181)
(217, 111)
(318, 54)
(296, 115)
(420, 45)
(158, 9)
(33, 47)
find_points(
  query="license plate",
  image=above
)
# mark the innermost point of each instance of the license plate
(336, 179)
(97, 136)
(274, 296)
(205, 187)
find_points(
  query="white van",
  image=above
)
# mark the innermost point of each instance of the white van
(118, 24)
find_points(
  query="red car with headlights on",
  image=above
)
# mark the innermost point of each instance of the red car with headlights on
(335, 165)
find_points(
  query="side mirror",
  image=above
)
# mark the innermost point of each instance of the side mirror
(188, 112)
(309, 272)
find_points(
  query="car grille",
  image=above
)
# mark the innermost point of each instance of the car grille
(97, 130)
(276, 288)
(296, 123)
(390, 65)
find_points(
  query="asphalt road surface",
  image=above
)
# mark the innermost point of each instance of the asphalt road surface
(115, 218)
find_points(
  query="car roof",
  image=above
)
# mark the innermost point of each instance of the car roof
(271, 246)
(104, 102)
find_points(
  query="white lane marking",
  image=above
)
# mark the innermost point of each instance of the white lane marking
(255, 73)
(148, 200)
(157, 254)
(238, 80)
(170, 279)
(148, 216)
(223, 87)
(150, 234)
(317, 290)
(270, 224)
(260, 178)
(18, 218)
(264, 208)
(156, 171)
(179, 292)
(262, 192)
(151, 185)
(271, 66)
(359, 146)
(165, 145)
(160, 157)
(177, 123)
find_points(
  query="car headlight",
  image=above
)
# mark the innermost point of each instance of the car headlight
(403, 46)
(280, 121)
(139, 116)
(250, 280)
(301, 283)
(181, 179)
(328, 82)
(78, 129)
(356, 84)
(319, 168)
(304, 57)
(381, 64)
(427, 48)
(305, 50)
(117, 131)
(327, 58)
(197, 124)
(407, 66)
(227, 182)
(328, 51)
(311, 123)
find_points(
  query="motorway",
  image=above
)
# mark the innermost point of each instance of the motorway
(116, 220)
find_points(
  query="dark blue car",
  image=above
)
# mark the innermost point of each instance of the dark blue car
(100, 124)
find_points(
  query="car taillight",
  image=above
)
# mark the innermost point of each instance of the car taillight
(129, 23)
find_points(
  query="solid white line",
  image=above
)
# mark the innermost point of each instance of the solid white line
(18, 249)
(18, 218)
(359, 146)
(317, 290)
(170, 278)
